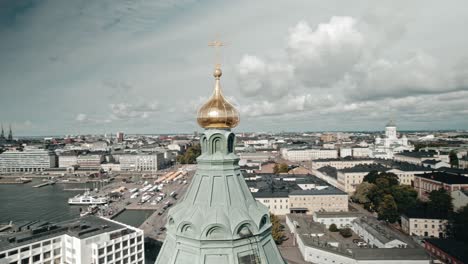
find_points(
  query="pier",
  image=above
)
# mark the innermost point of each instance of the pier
(76, 189)
(44, 184)
(16, 181)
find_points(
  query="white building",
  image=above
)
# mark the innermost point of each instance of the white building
(67, 159)
(277, 202)
(89, 240)
(349, 178)
(308, 154)
(29, 160)
(376, 234)
(361, 152)
(317, 246)
(386, 147)
(346, 152)
(141, 161)
(340, 163)
(423, 224)
(259, 156)
(340, 219)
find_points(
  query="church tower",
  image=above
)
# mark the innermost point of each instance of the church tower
(2, 135)
(390, 130)
(218, 221)
(10, 135)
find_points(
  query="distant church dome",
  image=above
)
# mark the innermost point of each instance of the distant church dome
(391, 123)
(218, 112)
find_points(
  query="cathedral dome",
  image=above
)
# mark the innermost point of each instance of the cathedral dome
(391, 123)
(217, 112)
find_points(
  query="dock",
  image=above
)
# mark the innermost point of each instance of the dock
(16, 181)
(6, 227)
(44, 184)
(76, 189)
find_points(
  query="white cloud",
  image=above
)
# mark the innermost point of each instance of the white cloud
(81, 117)
(141, 110)
(323, 55)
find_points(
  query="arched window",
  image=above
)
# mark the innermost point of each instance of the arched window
(204, 144)
(231, 143)
(216, 145)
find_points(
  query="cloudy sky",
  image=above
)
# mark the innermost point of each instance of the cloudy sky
(142, 66)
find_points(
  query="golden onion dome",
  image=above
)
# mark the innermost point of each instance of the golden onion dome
(218, 112)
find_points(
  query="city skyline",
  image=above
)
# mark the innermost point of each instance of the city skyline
(86, 68)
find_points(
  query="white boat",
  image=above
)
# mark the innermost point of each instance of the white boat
(86, 198)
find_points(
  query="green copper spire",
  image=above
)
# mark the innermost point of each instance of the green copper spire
(218, 221)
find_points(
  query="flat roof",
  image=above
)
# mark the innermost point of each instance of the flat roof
(390, 253)
(83, 227)
(337, 214)
(448, 178)
(365, 168)
(326, 191)
(452, 247)
(416, 154)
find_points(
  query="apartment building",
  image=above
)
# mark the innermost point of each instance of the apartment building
(27, 160)
(424, 224)
(427, 182)
(340, 163)
(88, 240)
(141, 161)
(308, 154)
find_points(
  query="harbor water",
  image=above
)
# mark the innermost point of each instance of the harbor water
(23, 202)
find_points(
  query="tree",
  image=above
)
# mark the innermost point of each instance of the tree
(374, 176)
(453, 159)
(405, 197)
(283, 167)
(346, 232)
(190, 156)
(333, 228)
(362, 192)
(276, 229)
(440, 201)
(276, 168)
(388, 209)
(280, 168)
(458, 229)
(371, 177)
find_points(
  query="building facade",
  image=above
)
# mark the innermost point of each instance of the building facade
(27, 160)
(308, 154)
(340, 219)
(423, 225)
(340, 163)
(428, 182)
(89, 240)
(311, 201)
(141, 161)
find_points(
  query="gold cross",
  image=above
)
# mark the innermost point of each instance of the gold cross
(216, 44)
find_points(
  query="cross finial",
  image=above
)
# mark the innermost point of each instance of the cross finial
(217, 45)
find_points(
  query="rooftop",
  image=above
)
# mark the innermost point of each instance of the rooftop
(365, 168)
(326, 191)
(348, 158)
(444, 177)
(452, 247)
(306, 229)
(37, 231)
(393, 253)
(381, 232)
(416, 154)
(337, 214)
(424, 213)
